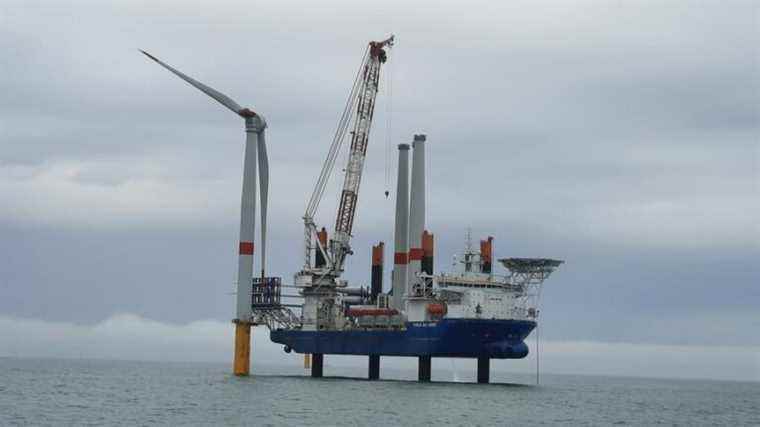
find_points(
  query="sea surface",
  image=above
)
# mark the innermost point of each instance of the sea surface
(96, 392)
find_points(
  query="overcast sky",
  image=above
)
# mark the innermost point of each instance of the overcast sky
(619, 136)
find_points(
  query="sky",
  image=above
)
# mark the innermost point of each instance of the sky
(621, 137)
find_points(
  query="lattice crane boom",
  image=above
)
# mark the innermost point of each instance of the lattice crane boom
(357, 115)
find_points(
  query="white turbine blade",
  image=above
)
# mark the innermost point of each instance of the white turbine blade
(222, 98)
(264, 193)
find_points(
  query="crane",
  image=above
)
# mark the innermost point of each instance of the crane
(357, 116)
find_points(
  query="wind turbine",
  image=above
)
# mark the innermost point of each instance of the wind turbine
(255, 141)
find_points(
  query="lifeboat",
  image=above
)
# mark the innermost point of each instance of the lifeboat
(437, 309)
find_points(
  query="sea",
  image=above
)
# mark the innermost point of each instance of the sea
(53, 392)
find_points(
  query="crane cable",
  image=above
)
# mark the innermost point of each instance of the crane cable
(388, 123)
(537, 352)
(337, 142)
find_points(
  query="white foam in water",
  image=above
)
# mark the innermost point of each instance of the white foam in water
(454, 373)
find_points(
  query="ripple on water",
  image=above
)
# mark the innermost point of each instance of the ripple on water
(128, 393)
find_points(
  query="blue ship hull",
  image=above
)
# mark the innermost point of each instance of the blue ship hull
(494, 338)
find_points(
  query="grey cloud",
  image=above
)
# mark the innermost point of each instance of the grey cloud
(621, 137)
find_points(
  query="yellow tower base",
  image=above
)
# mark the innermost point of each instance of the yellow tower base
(242, 364)
(307, 361)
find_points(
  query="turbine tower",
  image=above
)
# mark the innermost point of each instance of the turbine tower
(255, 142)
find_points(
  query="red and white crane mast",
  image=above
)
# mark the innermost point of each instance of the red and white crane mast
(360, 107)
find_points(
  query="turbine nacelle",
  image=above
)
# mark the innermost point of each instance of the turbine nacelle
(247, 113)
(253, 122)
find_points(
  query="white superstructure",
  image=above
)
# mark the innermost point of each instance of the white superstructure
(473, 291)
